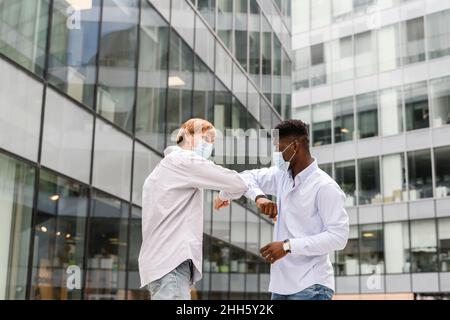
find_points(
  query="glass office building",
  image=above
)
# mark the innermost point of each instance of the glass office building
(372, 79)
(91, 92)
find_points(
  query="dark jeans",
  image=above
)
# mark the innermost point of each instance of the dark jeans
(315, 292)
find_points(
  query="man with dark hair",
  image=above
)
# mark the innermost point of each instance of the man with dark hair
(311, 218)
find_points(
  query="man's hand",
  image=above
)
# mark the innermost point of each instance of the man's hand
(273, 252)
(219, 203)
(267, 207)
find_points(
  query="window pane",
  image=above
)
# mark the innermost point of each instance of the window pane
(183, 20)
(16, 203)
(419, 172)
(442, 163)
(440, 98)
(145, 161)
(117, 74)
(302, 61)
(394, 178)
(320, 13)
(267, 57)
(389, 48)
(253, 222)
(179, 105)
(414, 41)
(344, 126)
(369, 181)
(342, 55)
(396, 247)
(134, 284)
(112, 160)
(204, 43)
(152, 81)
(240, 89)
(423, 246)
(320, 64)
(23, 32)
(365, 54)
(73, 51)
(20, 114)
(238, 227)
(240, 33)
(367, 108)
(303, 114)
(223, 103)
(67, 137)
(225, 21)
(220, 267)
(266, 231)
(253, 101)
(342, 9)
(107, 249)
(438, 34)
(345, 175)
(203, 91)
(416, 106)
(223, 65)
(221, 224)
(208, 10)
(254, 41)
(444, 244)
(301, 16)
(322, 116)
(372, 249)
(391, 109)
(361, 6)
(59, 239)
(328, 168)
(347, 262)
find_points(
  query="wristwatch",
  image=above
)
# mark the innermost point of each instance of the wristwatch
(261, 196)
(287, 246)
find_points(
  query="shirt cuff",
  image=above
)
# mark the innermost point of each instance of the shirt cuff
(225, 196)
(297, 246)
(252, 193)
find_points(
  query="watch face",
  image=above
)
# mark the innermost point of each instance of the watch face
(286, 246)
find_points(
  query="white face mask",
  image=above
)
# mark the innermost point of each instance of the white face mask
(204, 149)
(278, 159)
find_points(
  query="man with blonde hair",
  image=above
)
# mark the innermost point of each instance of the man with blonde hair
(170, 261)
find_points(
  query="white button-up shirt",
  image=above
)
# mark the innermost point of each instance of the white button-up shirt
(172, 211)
(312, 215)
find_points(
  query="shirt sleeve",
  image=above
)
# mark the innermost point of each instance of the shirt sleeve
(205, 174)
(260, 182)
(330, 203)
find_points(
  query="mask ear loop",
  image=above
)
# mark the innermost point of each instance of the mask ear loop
(293, 154)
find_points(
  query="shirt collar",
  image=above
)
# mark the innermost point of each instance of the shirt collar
(302, 176)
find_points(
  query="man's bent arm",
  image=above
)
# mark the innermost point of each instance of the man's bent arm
(330, 203)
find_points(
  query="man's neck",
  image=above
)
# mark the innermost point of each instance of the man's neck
(301, 165)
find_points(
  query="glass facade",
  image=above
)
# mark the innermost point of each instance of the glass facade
(371, 79)
(106, 85)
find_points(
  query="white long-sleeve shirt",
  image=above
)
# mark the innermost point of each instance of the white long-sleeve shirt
(172, 211)
(312, 215)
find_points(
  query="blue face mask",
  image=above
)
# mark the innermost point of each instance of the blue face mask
(278, 159)
(204, 149)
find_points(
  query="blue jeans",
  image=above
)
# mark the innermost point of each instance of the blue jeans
(315, 292)
(176, 285)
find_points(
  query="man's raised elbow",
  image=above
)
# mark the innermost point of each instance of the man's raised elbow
(342, 244)
(343, 240)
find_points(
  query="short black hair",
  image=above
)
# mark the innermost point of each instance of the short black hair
(294, 129)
